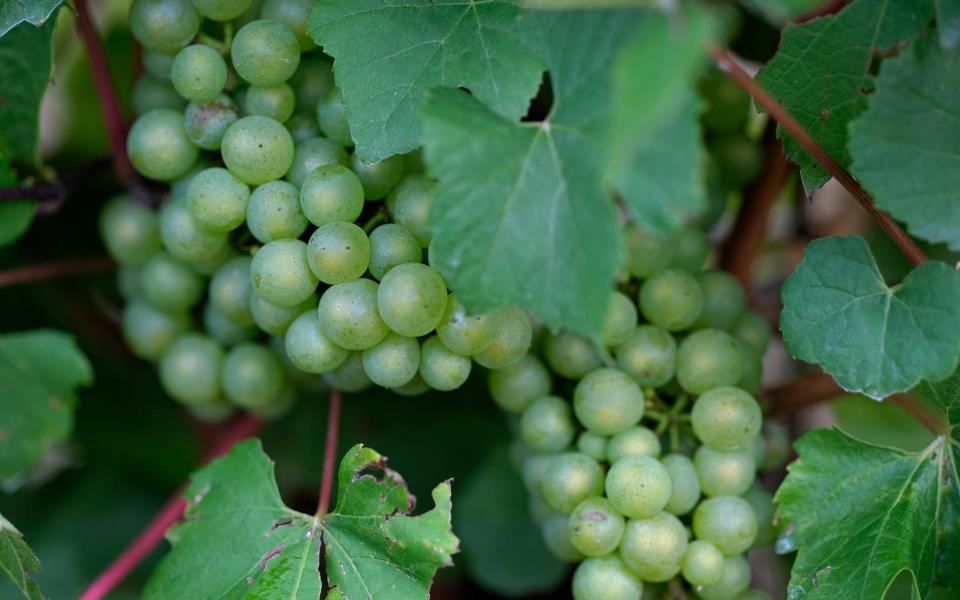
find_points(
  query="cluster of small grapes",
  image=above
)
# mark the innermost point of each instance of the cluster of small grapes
(298, 291)
(600, 484)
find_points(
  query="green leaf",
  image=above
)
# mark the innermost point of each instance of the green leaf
(412, 46)
(28, 12)
(239, 540)
(881, 423)
(15, 216)
(39, 373)
(948, 22)
(906, 145)
(838, 312)
(18, 561)
(821, 71)
(779, 12)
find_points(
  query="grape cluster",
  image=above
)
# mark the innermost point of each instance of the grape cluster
(300, 262)
(640, 453)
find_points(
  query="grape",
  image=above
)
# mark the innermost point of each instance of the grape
(190, 369)
(753, 595)
(128, 282)
(265, 53)
(513, 388)
(534, 466)
(308, 348)
(638, 486)
(230, 290)
(672, 299)
(751, 380)
(129, 231)
(317, 152)
(595, 528)
(649, 356)
(607, 401)
(646, 253)
(415, 387)
(312, 81)
(762, 503)
(636, 441)
(461, 332)
(223, 330)
(170, 284)
(338, 252)
(707, 359)
(726, 418)
(554, 532)
(605, 578)
(512, 334)
(206, 123)
(547, 425)
(378, 178)
(739, 159)
(593, 445)
(184, 237)
(724, 473)
(684, 485)
(653, 547)
(349, 376)
(332, 118)
(393, 361)
(702, 564)
(178, 188)
(442, 369)
(409, 204)
(158, 145)
(331, 193)
(295, 14)
(198, 73)
(257, 149)
(691, 248)
(412, 298)
(148, 331)
(621, 320)
(278, 407)
(273, 212)
(723, 301)
(727, 522)
(280, 273)
(570, 479)
(157, 64)
(149, 93)
(349, 316)
(214, 412)
(726, 104)
(218, 200)
(392, 245)
(274, 319)
(571, 355)
(208, 265)
(775, 444)
(301, 128)
(733, 581)
(163, 25)
(222, 10)
(252, 376)
(753, 331)
(275, 101)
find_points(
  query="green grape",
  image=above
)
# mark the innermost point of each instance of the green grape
(607, 402)
(753, 331)
(547, 425)
(218, 200)
(707, 359)
(415, 387)
(392, 245)
(776, 446)
(148, 331)
(409, 205)
(274, 319)
(170, 284)
(185, 238)
(412, 299)
(691, 248)
(752, 378)
(638, 486)
(331, 192)
(753, 595)
(649, 356)
(223, 330)
(208, 265)
(349, 316)
(762, 503)
(461, 332)
(554, 532)
(190, 369)
(380, 177)
(178, 188)
(312, 81)
(621, 320)
(301, 128)
(206, 123)
(278, 407)
(723, 301)
(275, 101)
(702, 564)
(734, 580)
(605, 578)
(280, 273)
(158, 145)
(252, 376)
(512, 334)
(646, 253)
(128, 282)
(672, 299)
(727, 522)
(739, 158)
(636, 441)
(295, 14)
(230, 290)
(257, 149)
(149, 93)
(332, 118)
(571, 355)
(198, 73)
(308, 348)
(273, 212)
(593, 445)
(513, 388)
(338, 252)
(726, 418)
(157, 64)
(129, 231)
(726, 104)
(685, 487)
(215, 412)
(538, 508)
(393, 361)
(349, 376)
(534, 466)
(222, 10)
(653, 547)
(265, 53)
(442, 369)
(595, 528)
(163, 25)
(724, 473)
(570, 479)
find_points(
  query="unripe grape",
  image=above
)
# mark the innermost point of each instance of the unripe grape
(230, 290)
(442, 369)
(739, 159)
(649, 355)
(753, 594)
(605, 578)
(412, 299)
(278, 407)
(313, 79)
(128, 282)
(636, 441)
(302, 128)
(157, 64)
(691, 248)
(752, 378)
(295, 14)
(274, 319)
(252, 376)
(158, 145)
(148, 331)
(218, 200)
(726, 105)
(392, 245)
(724, 301)
(464, 333)
(190, 369)
(331, 193)
(734, 580)
(378, 178)
(273, 212)
(186, 239)
(198, 73)
(222, 10)
(393, 361)
(762, 503)
(708, 359)
(753, 331)
(170, 284)
(415, 387)
(727, 522)
(646, 252)
(257, 149)
(349, 315)
(776, 446)
(607, 402)
(534, 467)
(280, 273)
(684, 485)
(409, 205)
(653, 547)
(595, 528)
(332, 118)
(638, 486)
(275, 101)
(547, 424)
(349, 376)
(513, 388)
(571, 355)
(570, 479)
(593, 445)
(512, 334)
(129, 231)
(206, 123)
(702, 564)
(726, 418)
(163, 25)
(207, 266)
(308, 348)
(672, 299)
(215, 412)
(149, 93)
(338, 252)
(554, 532)
(724, 473)
(224, 331)
(265, 52)
(316, 152)
(620, 321)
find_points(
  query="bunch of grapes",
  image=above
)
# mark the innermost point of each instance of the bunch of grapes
(640, 453)
(300, 261)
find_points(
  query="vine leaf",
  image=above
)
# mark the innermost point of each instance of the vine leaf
(239, 540)
(16, 215)
(18, 561)
(417, 45)
(839, 313)
(948, 22)
(39, 373)
(821, 71)
(28, 12)
(906, 145)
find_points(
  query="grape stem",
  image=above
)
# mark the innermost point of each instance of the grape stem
(330, 452)
(727, 64)
(55, 270)
(50, 197)
(378, 217)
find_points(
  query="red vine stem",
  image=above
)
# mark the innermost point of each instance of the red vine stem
(243, 427)
(330, 452)
(726, 63)
(55, 269)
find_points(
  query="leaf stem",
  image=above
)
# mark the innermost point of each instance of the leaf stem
(54, 270)
(727, 64)
(330, 452)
